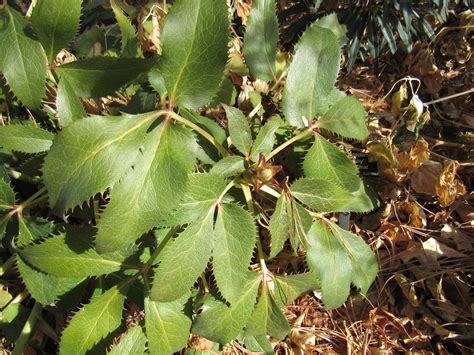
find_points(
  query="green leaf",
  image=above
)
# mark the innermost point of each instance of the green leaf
(325, 161)
(332, 23)
(25, 138)
(321, 195)
(128, 31)
(68, 104)
(347, 117)
(261, 38)
(339, 258)
(234, 241)
(364, 262)
(311, 75)
(364, 199)
(31, 228)
(259, 343)
(203, 193)
(44, 288)
(69, 255)
(7, 195)
(239, 130)
(265, 140)
(22, 59)
(7, 201)
(326, 256)
(229, 166)
(267, 318)
(56, 23)
(102, 76)
(104, 145)
(194, 38)
(149, 192)
(326, 102)
(290, 287)
(132, 343)
(167, 327)
(280, 225)
(93, 322)
(183, 260)
(221, 322)
(300, 223)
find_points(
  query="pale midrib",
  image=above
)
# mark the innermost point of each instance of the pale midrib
(96, 151)
(19, 52)
(53, 37)
(314, 82)
(161, 325)
(104, 309)
(188, 55)
(267, 55)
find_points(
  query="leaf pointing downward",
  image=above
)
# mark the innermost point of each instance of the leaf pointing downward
(183, 260)
(234, 242)
(167, 326)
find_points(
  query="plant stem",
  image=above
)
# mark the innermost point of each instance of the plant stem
(202, 132)
(36, 196)
(450, 97)
(304, 134)
(27, 329)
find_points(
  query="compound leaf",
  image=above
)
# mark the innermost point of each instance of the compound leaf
(56, 22)
(102, 76)
(280, 225)
(7, 195)
(234, 241)
(167, 327)
(25, 138)
(339, 258)
(68, 104)
(90, 156)
(261, 38)
(203, 192)
(194, 38)
(290, 287)
(364, 262)
(44, 288)
(221, 322)
(7, 200)
(229, 166)
(332, 23)
(133, 342)
(265, 140)
(321, 195)
(326, 162)
(127, 30)
(347, 118)
(267, 318)
(149, 192)
(69, 255)
(239, 130)
(183, 260)
(326, 256)
(311, 75)
(93, 322)
(22, 59)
